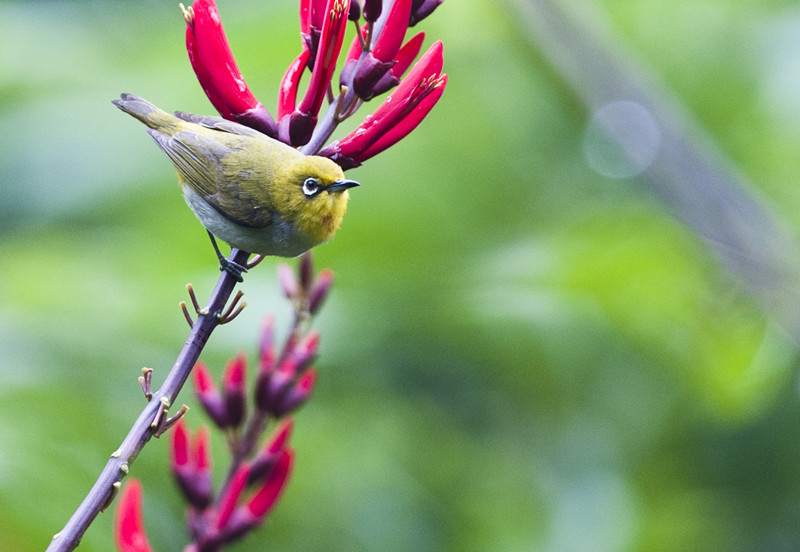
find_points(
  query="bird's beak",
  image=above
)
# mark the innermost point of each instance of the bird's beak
(343, 184)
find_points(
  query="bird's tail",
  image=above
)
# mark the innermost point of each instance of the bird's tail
(149, 114)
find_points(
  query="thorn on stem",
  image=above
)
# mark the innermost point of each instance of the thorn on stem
(146, 381)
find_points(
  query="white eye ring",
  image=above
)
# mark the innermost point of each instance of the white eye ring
(310, 186)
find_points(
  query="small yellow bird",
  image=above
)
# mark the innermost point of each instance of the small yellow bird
(257, 194)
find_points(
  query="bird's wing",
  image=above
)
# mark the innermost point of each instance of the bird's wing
(217, 123)
(198, 159)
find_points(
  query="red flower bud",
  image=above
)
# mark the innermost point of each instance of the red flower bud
(191, 469)
(129, 533)
(288, 281)
(271, 451)
(320, 290)
(209, 396)
(298, 394)
(262, 502)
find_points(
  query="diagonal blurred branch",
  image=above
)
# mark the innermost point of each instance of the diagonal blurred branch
(687, 170)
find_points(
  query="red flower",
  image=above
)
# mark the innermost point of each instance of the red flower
(216, 69)
(129, 534)
(374, 64)
(399, 114)
(296, 128)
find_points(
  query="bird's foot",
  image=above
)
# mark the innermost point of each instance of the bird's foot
(226, 265)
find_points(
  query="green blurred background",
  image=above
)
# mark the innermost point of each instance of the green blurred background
(519, 353)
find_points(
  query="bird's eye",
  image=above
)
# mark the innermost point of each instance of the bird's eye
(310, 186)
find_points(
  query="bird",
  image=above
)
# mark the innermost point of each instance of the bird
(251, 191)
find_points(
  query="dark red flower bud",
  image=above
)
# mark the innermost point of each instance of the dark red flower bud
(403, 60)
(421, 9)
(372, 9)
(355, 11)
(306, 270)
(234, 382)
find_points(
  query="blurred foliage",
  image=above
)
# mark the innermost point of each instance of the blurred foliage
(519, 354)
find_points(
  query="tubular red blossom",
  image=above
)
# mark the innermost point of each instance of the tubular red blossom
(216, 69)
(389, 120)
(129, 533)
(287, 94)
(407, 54)
(305, 116)
(312, 14)
(408, 124)
(234, 490)
(264, 500)
(394, 30)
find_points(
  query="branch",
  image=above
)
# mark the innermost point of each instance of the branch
(148, 423)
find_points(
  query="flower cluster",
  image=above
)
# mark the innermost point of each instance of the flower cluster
(375, 63)
(258, 473)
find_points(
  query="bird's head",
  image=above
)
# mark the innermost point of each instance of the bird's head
(313, 197)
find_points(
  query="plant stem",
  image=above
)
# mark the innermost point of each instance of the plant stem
(104, 489)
